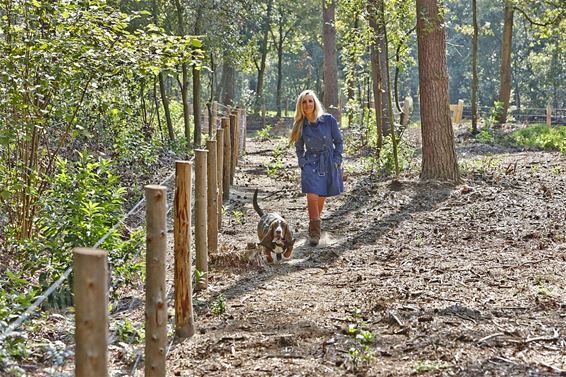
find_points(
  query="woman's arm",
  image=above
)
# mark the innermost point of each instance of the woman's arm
(337, 140)
(300, 151)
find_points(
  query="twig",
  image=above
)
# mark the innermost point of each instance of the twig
(533, 262)
(486, 338)
(399, 322)
(545, 338)
(555, 369)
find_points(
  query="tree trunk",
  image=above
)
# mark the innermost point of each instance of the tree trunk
(384, 63)
(439, 155)
(279, 69)
(505, 76)
(474, 68)
(259, 100)
(162, 88)
(184, 84)
(389, 104)
(376, 76)
(330, 65)
(228, 83)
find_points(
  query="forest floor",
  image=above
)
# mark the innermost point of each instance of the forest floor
(410, 278)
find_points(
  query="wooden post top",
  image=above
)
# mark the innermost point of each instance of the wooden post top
(155, 187)
(89, 251)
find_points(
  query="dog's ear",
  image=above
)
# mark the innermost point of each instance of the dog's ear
(267, 241)
(288, 233)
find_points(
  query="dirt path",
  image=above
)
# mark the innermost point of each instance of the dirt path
(411, 277)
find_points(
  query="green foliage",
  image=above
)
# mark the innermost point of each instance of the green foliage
(386, 162)
(71, 72)
(360, 351)
(264, 133)
(125, 259)
(84, 202)
(485, 136)
(494, 114)
(274, 168)
(199, 275)
(238, 216)
(127, 332)
(540, 136)
(219, 305)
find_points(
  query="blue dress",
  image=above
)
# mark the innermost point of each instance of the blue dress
(319, 150)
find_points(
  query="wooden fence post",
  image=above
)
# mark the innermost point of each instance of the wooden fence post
(407, 110)
(241, 132)
(155, 291)
(212, 197)
(201, 249)
(184, 318)
(460, 110)
(90, 286)
(227, 158)
(233, 145)
(214, 117)
(220, 171)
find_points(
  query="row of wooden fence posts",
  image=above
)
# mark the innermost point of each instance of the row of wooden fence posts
(214, 173)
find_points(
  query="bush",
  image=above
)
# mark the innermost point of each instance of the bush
(540, 136)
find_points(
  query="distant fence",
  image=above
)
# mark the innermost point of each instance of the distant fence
(214, 169)
(531, 115)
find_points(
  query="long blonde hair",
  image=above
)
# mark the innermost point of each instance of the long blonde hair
(300, 116)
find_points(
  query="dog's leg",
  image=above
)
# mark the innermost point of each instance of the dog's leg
(268, 256)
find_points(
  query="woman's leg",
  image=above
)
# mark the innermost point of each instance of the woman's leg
(321, 200)
(314, 206)
(313, 201)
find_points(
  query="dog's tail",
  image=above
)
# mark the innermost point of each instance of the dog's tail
(256, 206)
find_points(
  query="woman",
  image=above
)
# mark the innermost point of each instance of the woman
(318, 144)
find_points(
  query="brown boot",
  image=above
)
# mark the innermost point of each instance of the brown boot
(314, 232)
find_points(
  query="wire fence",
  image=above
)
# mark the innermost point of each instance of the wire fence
(56, 307)
(53, 287)
(130, 221)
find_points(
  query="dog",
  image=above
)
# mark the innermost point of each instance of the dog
(276, 238)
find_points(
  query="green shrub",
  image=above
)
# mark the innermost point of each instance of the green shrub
(386, 161)
(540, 136)
(264, 133)
(485, 136)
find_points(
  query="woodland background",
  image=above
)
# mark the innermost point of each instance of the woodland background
(97, 96)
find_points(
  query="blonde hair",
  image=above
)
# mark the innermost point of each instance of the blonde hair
(300, 116)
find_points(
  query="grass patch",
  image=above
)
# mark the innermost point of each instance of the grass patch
(540, 136)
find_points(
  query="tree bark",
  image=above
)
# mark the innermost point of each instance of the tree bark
(228, 83)
(384, 64)
(376, 76)
(505, 76)
(259, 100)
(439, 155)
(184, 84)
(330, 65)
(279, 65)
(162, 87)
(474, 68)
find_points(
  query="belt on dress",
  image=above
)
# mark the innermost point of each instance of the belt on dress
(324, 162)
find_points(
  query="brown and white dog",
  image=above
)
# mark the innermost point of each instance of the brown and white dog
(276, 238)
